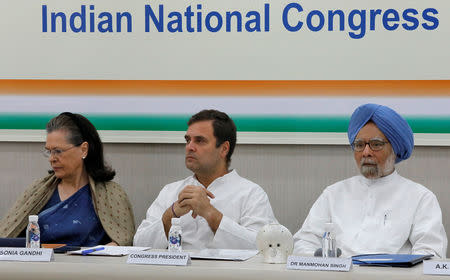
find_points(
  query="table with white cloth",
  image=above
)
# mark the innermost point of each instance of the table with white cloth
(96, 267)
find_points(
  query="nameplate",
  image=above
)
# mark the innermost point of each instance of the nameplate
(159, 258)
(26, 254)
(311, 263)
(436, 267)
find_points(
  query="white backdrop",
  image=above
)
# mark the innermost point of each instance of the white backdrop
(28, 52)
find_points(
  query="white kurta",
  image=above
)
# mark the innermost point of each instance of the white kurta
(244, 205)
(386, 215)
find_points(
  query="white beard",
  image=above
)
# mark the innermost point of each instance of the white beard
(376, 171)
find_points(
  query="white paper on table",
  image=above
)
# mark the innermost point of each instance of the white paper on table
(110, 250)
(223, 254)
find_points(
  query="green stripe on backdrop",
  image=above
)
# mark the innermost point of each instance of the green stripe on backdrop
(244, 123)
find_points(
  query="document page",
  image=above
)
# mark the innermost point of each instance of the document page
(223, 254)
(108, 250)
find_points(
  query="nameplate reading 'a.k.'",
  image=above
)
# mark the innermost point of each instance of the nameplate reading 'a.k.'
(26, 254)
(436, 267)
(311, 263)
(159, 258)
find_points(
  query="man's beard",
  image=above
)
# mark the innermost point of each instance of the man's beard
(369, 171)
(372, 170)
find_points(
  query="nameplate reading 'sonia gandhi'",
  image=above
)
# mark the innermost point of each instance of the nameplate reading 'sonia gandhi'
(26, 254)
(311, 263)
(436, 267)
(159, 258)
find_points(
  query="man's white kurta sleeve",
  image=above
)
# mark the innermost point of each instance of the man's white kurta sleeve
(307, 239)
(428, 234)
(151, 231)
(231, 234)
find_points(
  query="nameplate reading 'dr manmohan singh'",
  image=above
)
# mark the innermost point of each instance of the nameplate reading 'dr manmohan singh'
(311, 263)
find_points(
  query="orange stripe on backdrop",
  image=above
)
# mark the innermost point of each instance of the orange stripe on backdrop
(226, 88)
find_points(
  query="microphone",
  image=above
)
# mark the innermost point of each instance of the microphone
(318, 252)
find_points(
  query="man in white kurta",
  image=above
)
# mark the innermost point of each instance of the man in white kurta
(244, 205)
(387, 215)
(218, 208)
(378, 211)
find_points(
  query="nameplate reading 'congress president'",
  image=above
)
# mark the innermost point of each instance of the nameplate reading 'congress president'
(436, 267)
(311, 263)
(26, 254)
(159, 258)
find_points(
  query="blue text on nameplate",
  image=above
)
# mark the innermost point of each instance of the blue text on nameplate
(159, 258)
(26, 254)
(312, 263)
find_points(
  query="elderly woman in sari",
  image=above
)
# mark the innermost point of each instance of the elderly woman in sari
(77, 202)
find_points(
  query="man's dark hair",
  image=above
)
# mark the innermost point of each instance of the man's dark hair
(223, 126)
(79, 130)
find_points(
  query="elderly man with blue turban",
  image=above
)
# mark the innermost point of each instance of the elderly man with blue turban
(380, 211)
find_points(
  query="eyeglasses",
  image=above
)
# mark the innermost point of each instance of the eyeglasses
(56, 152)
(374, 145)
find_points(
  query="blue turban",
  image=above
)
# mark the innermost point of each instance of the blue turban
(393, 126)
